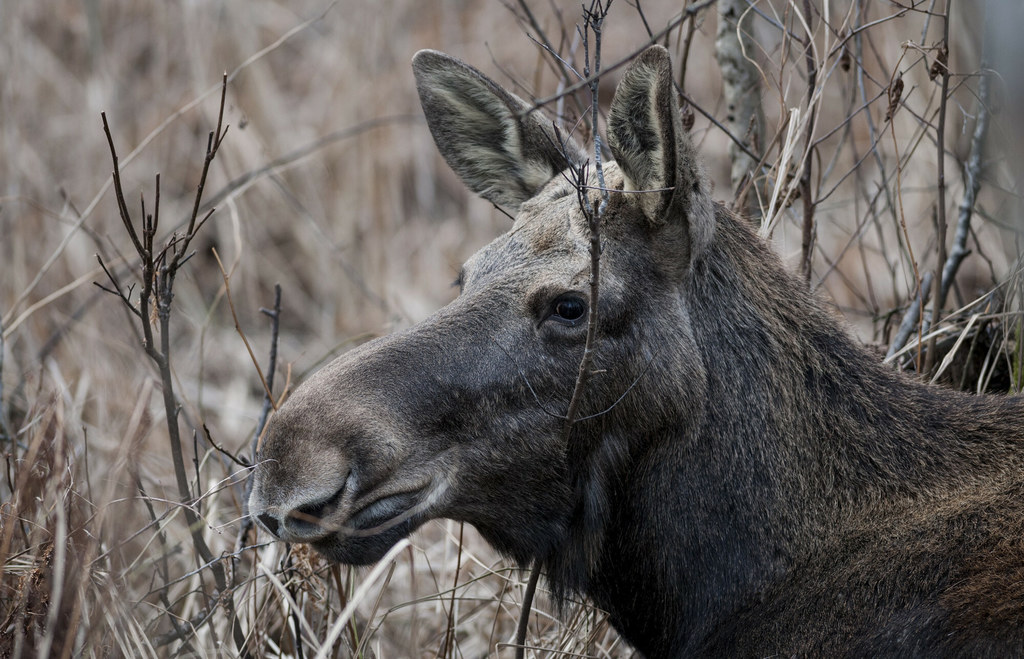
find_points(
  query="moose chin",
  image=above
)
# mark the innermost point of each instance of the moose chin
(743, 478)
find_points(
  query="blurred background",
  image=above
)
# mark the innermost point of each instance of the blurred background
(328, 184)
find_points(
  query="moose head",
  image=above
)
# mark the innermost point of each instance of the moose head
(461, 416)
(741, 478)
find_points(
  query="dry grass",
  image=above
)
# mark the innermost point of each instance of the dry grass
(364, 229)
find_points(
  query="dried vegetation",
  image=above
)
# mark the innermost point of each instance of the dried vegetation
(889, 155)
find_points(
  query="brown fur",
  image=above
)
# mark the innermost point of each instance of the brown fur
(746, 481)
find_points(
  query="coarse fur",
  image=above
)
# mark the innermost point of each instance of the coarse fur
(745, 480)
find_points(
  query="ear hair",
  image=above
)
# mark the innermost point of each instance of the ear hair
(488, 136)
(646, 137)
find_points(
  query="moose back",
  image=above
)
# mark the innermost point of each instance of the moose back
(743, 480)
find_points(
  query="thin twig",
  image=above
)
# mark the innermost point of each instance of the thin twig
(593, 21)
(448, 644)
(268, 403)
(113, 291)
(895, 91)
(122, 207)
(4, 427)
(594, 18)
(274, 314)
(941, 61)
(213, 142)
(163, 563)
(589, 80)
(807, 229)
(238, 328)
(296, 155)
(972, 170)
(972, 184)
(542, 40)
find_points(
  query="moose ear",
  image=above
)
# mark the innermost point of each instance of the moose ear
(646, 137)
(501, 153)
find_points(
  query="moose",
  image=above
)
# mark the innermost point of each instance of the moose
(743, 479)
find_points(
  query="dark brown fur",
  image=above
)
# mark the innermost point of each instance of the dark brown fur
(749, 483)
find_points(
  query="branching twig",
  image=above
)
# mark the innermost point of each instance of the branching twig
(159, 269)
(563, 67)
(594, 18)
(685, 14)
(972, 183)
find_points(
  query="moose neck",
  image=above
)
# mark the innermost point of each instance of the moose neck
(792, 395)
(802, 431)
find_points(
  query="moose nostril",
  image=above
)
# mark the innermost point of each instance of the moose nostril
(312, 511)
(307, 519)
(270, 522)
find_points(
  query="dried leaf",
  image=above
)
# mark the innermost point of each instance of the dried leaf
(940, 65)
(686, 113)
(895, 94)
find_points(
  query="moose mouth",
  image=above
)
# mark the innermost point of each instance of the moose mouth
(375, 527)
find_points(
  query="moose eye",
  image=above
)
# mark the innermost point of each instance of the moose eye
(568, 309)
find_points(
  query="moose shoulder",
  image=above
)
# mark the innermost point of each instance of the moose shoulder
(744, 480)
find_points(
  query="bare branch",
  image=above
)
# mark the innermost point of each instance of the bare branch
(806, 195)
(940, 68)
(158, 289)
(122, 207)
(213, 143)
(594, 17)
(685, 14)
(116, 290)
(912, 318)
(958, 252)
(972, 183)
